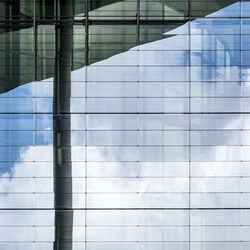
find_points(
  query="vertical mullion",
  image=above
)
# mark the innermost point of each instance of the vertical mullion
(137, 99)
(138, 22)
(85, 118)
(189, 125)
(241, 134)
(86, 33)
(7, 41)
(34, 40)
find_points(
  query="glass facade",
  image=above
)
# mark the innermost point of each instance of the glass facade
(124, 125)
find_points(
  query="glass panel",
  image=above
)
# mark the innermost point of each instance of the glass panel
(137, 217)
(155, 200)
(151, 34)
(112, 9)
(213, 233)
(164, 9)
(134, 185)
(108, 40)
(225, 8)
(216, 137)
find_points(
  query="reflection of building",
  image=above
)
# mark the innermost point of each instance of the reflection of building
(126, 128)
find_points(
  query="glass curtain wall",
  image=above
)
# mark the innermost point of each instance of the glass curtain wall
(125, 125)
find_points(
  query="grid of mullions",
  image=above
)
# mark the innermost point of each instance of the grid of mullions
(111, 9)
(160, 143)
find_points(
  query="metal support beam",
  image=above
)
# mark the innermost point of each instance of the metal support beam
(62, 129)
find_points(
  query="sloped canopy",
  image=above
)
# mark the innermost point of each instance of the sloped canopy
(26, 57)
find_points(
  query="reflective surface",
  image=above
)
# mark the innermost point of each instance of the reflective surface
(146, 147)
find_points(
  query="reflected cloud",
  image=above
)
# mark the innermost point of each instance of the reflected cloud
(20, 192)
(140, 173)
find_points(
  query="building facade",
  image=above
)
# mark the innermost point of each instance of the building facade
(124, 125)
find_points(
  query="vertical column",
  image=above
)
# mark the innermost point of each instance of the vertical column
(62, 128)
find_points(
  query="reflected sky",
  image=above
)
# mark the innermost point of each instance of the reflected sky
(143, 122)
(153, 80)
